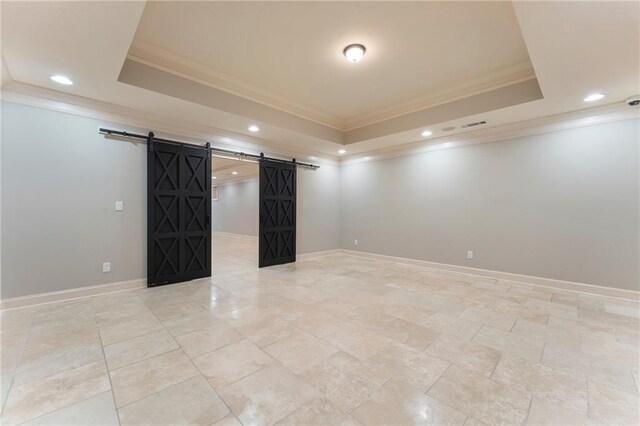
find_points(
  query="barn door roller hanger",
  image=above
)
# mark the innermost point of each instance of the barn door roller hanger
(238, 154)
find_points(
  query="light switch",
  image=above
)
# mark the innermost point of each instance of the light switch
(119, 206)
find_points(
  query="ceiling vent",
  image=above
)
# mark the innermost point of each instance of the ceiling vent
(477, 123)
(448, 129)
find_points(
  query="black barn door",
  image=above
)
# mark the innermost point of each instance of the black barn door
(178, 213)
(277, 213)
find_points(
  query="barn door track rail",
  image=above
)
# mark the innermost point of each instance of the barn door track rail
(237, 154)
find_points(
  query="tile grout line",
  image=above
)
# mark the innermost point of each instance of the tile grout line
(104, 357)
(495, 367)
(548, 316)
(19, 362)
(69, 370)
(194, 365)
(528, 410)
(544, 348)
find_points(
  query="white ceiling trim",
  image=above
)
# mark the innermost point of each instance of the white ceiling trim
(581, 118)
(167, 61)
(514, 74)
(181, 66)
(57, 101)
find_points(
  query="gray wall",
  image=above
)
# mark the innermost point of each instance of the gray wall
(236, 211)
(562, 205)
(318, 209)
(60, 181)
(318, 217)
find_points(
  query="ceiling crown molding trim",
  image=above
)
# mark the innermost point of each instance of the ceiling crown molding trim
(5, 74)
(173, 63)
(511, 75)
(167, 61)
(53, 100)
(586, 117)
(169, 84)
(71, 104)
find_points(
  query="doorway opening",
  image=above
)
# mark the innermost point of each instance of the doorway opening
(235, 194)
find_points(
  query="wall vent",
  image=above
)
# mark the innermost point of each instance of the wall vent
(477, 123)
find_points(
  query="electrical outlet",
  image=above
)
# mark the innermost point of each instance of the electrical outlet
(119, 206)
(106, 267)
(469, 254)
(355, 242)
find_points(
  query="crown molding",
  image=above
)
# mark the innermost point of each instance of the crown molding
(49, 99)
(27, 94)
(162, 59)
(581, 118)
(513, 74)
(173, 63)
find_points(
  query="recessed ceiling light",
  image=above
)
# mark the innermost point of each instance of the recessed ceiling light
(213, 177)
(254, 128)
(341, 151)
(234, 173)
(427, 133)
(61, 79)
(354, 52)
(594, 97)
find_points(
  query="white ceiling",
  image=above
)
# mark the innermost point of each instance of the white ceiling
(222, 169)
(311, 100)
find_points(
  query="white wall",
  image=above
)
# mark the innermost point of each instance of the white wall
(560, 205)
(236, 210)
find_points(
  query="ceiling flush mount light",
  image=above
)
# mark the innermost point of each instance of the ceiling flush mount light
(342, 151)
(427, 133)
(354, 52)
(253, 128)
(61, 79)
(594, 97)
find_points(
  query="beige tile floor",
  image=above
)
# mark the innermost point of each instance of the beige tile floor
(332, 340)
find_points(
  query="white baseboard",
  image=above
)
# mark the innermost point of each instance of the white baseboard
(74, 293)
(617, 293)
(316, 254)
(78, 293)
(236, 236)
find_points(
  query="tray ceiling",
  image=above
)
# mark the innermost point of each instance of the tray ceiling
(213, 69)
(289, 55)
